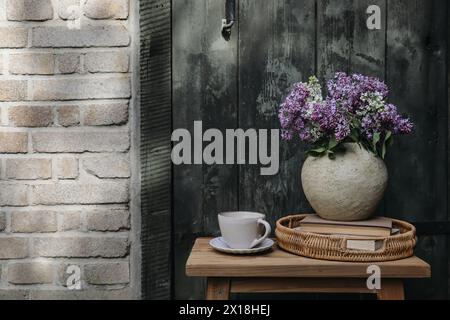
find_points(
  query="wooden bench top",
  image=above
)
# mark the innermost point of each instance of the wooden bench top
(206, 262)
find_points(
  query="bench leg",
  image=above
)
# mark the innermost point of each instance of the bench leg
(218, 289)
(391, 289)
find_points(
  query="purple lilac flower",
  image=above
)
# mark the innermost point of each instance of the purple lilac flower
(391, 120)
(331, 119)
(355, 103)
(348, 90)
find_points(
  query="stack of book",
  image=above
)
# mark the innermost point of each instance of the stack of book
(361, 235)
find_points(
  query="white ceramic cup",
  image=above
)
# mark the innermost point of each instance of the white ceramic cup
(241, 230)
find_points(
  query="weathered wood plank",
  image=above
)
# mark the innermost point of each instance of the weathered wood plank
(188, 21)
(300, 285)
(335, 32)
(276, 45)
(218, 289)
(219, 110)
(416, 73)
(205, 89)
(369, 46)
(155, 59)
(448, 136)
(206, 262)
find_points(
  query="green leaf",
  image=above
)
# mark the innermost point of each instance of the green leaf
(332, 144)
(388, 140)
(376, 139)
(354, 136)
(319, 150)
(388, 135)
(331, 155)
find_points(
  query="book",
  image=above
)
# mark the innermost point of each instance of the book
(365, 245)
(376, 227)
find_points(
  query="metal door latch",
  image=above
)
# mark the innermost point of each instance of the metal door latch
(230, 18)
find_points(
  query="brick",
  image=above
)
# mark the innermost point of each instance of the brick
(106, 114)
(13, 142)
(2, 10)
(28, 169)
(80, 247)
(114, 166)
(87, 36)
(63, 275)
(71, 220)
(78, 142)
(108, 220)
(106, 9)
(107, 273)
(91, 294)
(104, 192)
(30, 116)
(14, 195)
(81, 88)
(32, 63)
(1, 64)
(67, 168)
(2, 221)
(69, 116)
(107, 61)
(13, 248)
(13, 294)
(68, 63)
(69, 9)
(33, 221)
(31, 10)
(30, 273)
(13, 37)
(13, 90)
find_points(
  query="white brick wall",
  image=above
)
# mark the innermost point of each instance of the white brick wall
(66, 149)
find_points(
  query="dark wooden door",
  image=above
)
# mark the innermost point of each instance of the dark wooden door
(240, 83)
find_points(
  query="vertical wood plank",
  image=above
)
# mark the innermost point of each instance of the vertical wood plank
(155, 60)
(276, 50)
(218, 289)
(448, 137)
(391, 289)
(416, 73)
(368, 54)
(369, 46)
(219, 110)
(188, 21)
(335, 32)
(205, 89)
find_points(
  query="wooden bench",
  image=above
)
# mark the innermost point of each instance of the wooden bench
(281, 272)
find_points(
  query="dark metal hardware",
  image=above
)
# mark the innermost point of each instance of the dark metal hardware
(230, 18)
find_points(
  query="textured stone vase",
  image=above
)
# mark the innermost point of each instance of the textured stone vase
(348, 188)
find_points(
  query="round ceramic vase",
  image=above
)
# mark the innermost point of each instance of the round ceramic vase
(348, 188)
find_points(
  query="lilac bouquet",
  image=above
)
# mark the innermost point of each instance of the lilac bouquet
(355, 110)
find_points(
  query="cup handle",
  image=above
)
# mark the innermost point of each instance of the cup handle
(266, 234)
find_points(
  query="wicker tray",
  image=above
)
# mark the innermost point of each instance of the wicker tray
(332, 247)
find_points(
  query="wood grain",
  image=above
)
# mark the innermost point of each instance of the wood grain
(335, 28)
(156, 115)
(415, 71)
(205, 262)
(205, 89)
(276, 50)
(218, 289)
(296, 285)
(391, 289)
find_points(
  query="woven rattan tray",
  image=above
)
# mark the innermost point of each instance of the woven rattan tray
(332, 247)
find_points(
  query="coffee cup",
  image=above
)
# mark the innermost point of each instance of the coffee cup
(242, 230)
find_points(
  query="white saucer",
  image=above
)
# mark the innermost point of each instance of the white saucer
(220, 245)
